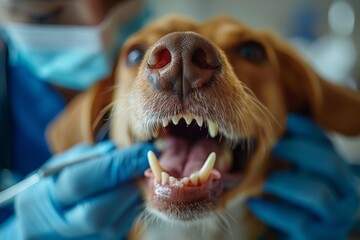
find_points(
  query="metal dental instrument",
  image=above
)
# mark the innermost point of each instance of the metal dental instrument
(7, 196)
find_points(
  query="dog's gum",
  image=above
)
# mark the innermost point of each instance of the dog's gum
(192, 181)
(182, 193)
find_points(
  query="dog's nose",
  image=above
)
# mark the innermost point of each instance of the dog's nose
(181, 62)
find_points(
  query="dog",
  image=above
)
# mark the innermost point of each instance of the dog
(213, 97)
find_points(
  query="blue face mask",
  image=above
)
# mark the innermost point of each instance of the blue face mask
(74, 57)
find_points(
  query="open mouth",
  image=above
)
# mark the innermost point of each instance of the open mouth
(196, 164)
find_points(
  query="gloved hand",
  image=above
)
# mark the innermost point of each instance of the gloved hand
(317, 198)
(91, 200)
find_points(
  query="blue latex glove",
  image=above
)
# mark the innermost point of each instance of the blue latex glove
(317, 198)
(91, 200)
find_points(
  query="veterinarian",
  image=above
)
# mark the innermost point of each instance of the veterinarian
(50, 51)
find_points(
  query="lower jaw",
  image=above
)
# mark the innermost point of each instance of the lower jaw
(184, 203)
(190, 203)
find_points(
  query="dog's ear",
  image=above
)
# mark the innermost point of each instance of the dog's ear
(334, 107)
(81, 119)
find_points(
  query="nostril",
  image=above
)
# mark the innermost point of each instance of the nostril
(159, 59)
(201, 58)
(182, 62)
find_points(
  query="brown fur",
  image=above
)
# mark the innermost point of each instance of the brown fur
(251, 99)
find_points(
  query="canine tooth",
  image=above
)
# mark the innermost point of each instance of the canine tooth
(213, 128)
(155, 165)
(165, 122)
(199, 121)
(194, 178)
(175, 119)
(188, 119)
(164, 178)
(172, 180)
(205, 170)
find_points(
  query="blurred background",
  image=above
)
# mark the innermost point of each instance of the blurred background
(326, 33)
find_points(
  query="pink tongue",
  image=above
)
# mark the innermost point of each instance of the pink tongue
(182, 157)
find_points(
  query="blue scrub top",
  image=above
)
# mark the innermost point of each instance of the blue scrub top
(33, 104)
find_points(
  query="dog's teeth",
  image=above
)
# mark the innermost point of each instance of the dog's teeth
(175, 119)
(188, 119)
(179, 183)
(206, 169)
(164, 178)
(213, 128)
(185, 180)
(194, 178)
(155, 166)
(172, 180)
(165, 122)
(199, 121)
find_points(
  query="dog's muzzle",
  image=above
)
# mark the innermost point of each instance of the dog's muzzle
(196, 162)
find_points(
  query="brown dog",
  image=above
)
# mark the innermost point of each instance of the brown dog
(214, 98)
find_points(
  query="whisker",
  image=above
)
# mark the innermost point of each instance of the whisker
(222, 221)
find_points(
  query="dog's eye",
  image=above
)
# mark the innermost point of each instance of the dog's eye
(252, 51)
(135, 55)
